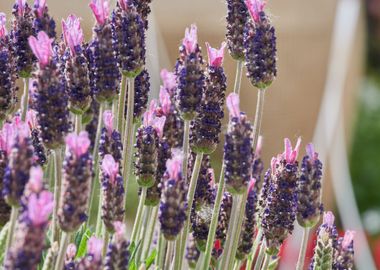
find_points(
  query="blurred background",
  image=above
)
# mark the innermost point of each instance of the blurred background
(327, 91)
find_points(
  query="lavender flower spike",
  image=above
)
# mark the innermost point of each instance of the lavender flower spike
(281, 206)
(39, 149)
(8, 76)
(344, 257)
(260, 46)
(206, 127)
(172, 212)
(43, 21)
(113, 192)
(309, 189)
(117, 253)
(238, 155)
(77, 176)
(110, 139)
(93, 258)
(50, 99)
(76, 67)
(27, 247)
(190, 76)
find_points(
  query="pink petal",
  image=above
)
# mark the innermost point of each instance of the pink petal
(120, 230)
(39, 208)
(71, 251)
(72, 32)
(348, 238)
(100, 8)
(289, 154)
(110, 167)
(273, 164)
(123, 4)
(174, 165)
(41, 47)
(328, 219)
(190, 41)
(94, 247)
(35, 183)
(254, 8)
(108, 121)
(158, 124)
(20, 7)
(165, 101)
(169, 79)
(31, 118)
(215, 56)
(8, 137)
(251, 184)
(310, 151)
(78, 144)
(150, 114)
(39, 5)
(3, 24)
(233, 105)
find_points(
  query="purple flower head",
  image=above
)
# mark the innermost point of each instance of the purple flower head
(39, 6)
(190, 41)
(348, 239)
(72, 33)
(169, 80)
(94, 247)
(165, 101)
(71, 251)
(174, 165)
(3, 22)
(290, 154)
(233, 105)
(110, 167)
(20, 7)
(78, 144)
(101, 10)
(108, 121)
(215, 56)
(36, 177)
(40, 207)
(255, 7)
(42, 48)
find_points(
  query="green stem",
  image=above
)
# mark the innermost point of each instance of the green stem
(200, 261)
(142, 230)
(214, 220)
(186, 133)
(260, 257)
(256, 244)
(190, 199)
(128, 137)
(239, 72)
(150, 233)
(25, 99)
(57, 192)
(161, 252)
(177, 253)
(105, 243)
(99, 223)
(50, 172)
(266, 262)
(169, 255)
(95, 184)
(258, 116)
(138, 218)
(121, 106)
(237, 265)
(78, 123)
(62, 251)
(302, 254)
(11, 229)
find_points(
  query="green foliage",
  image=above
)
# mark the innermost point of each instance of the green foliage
(82, 247)
(150, 260)
(3, 239)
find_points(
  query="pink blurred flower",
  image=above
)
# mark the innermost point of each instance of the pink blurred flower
(190, 41)
(169, 79)
(72, 32)
(3, 23)
(20, 7)
(39, 5)
(94, 247)
(36, 176)
(120, 230)
(348, 238)
(124, 4)
(174, 165)
(71, 251)
(165, 100)
(150, 114)
(291, 154)
(254, 8)
(108, 121)
(215, 56)
(100, 8)
(78, 144)
(41, 47)
(110, 167)
(233, 105)
(311, 152)
(328, 218)
(40, 207)
(31, 119)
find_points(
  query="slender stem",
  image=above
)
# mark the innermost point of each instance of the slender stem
(50, 172)
(57, 192)
(121, 106)
(11, 229)
(200, 261)
(237, 265)
(25, 99)
(239, 72)
(78, 123)
(190, 199)
(141, 232)
(177, 253)
(150, 232)
(99, 223)
(266, 262)
(105, 243)
(260, 257)
(186, 133)
(214, 220)
(62, 251)
(258, 116)
(256, 244)
(169, 255)
(95, 184)
(138, 216)
(128, 136)
(302, 254)
(161, 251)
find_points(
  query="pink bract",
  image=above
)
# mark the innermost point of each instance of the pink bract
(291, 154)
(100, 9)
(72, 32)
(40, 207)
(254, 8)
(78, 144)
(215, 56)
(110, 167)
(40, 5)
(190, 41)
(233, 105)
(169, 79)
(42, 48)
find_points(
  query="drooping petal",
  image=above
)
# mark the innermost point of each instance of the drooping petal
(158, 124)
(174, 165)
(94, 247)
(150, 114)
(348, 238)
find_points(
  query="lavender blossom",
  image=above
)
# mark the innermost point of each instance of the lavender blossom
(143, 8)
(113, 192)
(103, 64)
(20, 158)
(172, 212)
(190, 76)
(90, 119)
(207, 125)
(8, 76)
(76, 67)
(28, 244)
(309, 189)
(43, 21)
(110, 139)
(192, 252)
(93, 258)
(118, 255)
(224, 217)
(76, 182)
(257, 170)
(344, 257)
(238, 156)
(22, 29)
(129, 37)
(237, 16)
(50, 99)
(260, 46)
(38, 147)
(147, 144)
(281, 206)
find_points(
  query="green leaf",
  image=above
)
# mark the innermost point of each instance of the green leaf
(132, 266)
(133, 251)
(3, 239)
(149, 261)
(82, 249)
(273, 264)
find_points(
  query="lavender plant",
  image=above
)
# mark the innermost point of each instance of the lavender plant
(105, 84)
